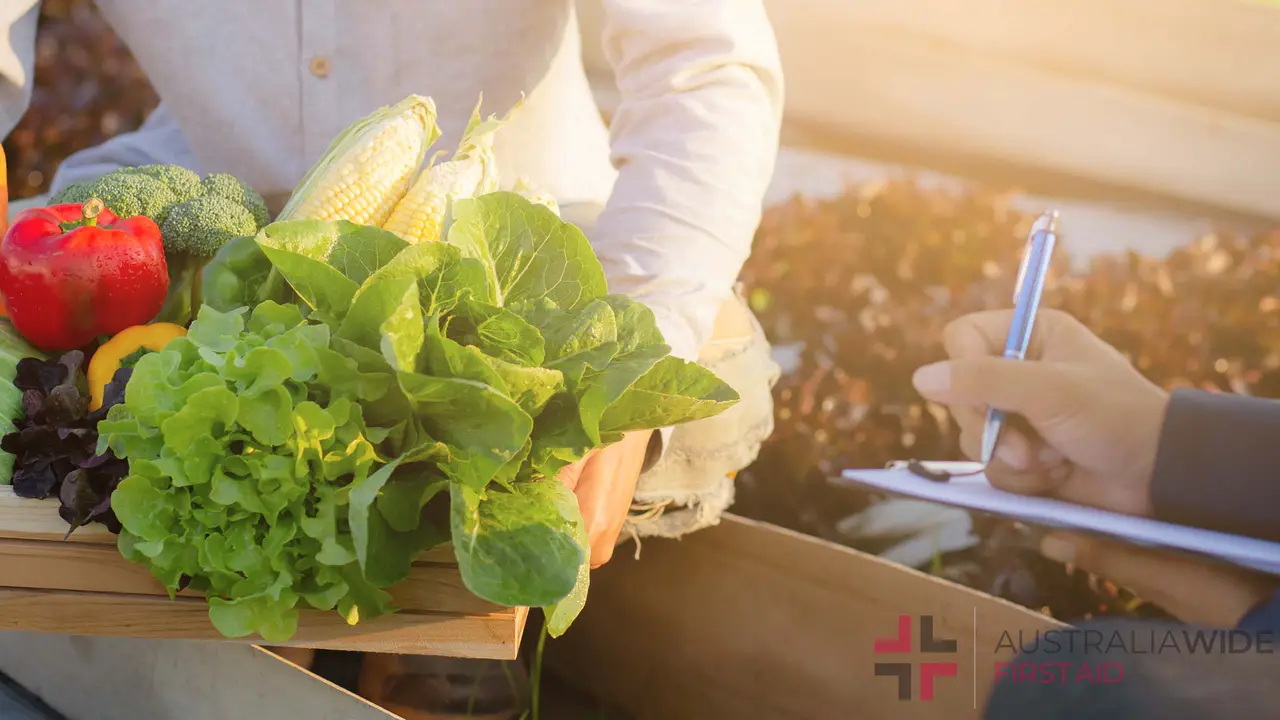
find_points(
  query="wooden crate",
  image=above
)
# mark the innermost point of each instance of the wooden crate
(82, 586)
(750, 621)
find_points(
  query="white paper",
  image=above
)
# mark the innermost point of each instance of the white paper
(975, 493)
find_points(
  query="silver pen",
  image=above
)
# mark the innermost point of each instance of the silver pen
(1026, 302)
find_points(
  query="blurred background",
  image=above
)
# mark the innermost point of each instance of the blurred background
(921, 139)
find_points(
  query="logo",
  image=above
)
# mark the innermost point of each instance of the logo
(929, 644)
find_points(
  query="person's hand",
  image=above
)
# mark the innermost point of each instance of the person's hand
(1194, 591)
(605, 481)
(1097, 418)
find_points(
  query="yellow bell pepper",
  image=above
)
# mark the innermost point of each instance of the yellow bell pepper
(107, 359)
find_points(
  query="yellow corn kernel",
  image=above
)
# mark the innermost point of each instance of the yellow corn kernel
(419, 214)
(533, 194)
(368, 168)
(472, 171)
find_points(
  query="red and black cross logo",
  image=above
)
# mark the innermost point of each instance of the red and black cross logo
(928, 670)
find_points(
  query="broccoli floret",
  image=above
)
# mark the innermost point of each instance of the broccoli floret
(184, 183)
(75, 193)
(230, 187)
(127, 194)
(202, 225)
(193, 233)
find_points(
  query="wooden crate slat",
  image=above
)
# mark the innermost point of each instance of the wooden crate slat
(492, 636)
(82, 586)
(100, 568)
(23, 519)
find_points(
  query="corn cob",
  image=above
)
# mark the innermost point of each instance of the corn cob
(533, 194)
(368, 168)
(472, 171)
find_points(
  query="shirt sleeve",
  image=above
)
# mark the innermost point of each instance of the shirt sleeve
(1218, 464)
(17, 60)
(1263, 617)
(694, 138)
(159, 141)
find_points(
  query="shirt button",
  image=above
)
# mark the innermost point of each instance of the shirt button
(320, 66)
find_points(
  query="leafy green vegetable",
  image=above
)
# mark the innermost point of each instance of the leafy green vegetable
(517, 547)
(13, 347)
(240, 275)
(527, 251)
(353, 251)
(253, 476)
(483, 428)
(672, 391)
(480, 365)
(561, 614)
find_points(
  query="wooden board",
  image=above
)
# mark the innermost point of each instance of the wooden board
(748, 621)
(975, 110)
(23, 519)
(1195, 51)
(1167, 102)
(99, 568)
(82, 586)
(493, 636)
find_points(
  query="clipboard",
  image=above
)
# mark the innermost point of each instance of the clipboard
(974, 492)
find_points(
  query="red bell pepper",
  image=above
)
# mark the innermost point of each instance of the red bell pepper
(72, 272)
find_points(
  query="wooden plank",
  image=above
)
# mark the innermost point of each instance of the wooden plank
(100, 568)
(894, 92)
(1186, 49)
(84, 587)
(1190, 50)
(125, 679)
(23, 519)
(492, 636)
(1125, 103)
(749, 621)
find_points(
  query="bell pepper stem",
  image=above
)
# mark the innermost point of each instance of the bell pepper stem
(91, 209)
(89, 213)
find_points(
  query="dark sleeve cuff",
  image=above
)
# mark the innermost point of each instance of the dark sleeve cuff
(1264, 617)
(1218, 464)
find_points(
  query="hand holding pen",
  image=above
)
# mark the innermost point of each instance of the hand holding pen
(1072, 417)
(1091, 436)
(1027, 292)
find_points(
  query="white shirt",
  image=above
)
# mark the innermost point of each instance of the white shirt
(259, 88)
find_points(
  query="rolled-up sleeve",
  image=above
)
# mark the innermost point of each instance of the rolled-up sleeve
(18, 20)
(695, 138)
